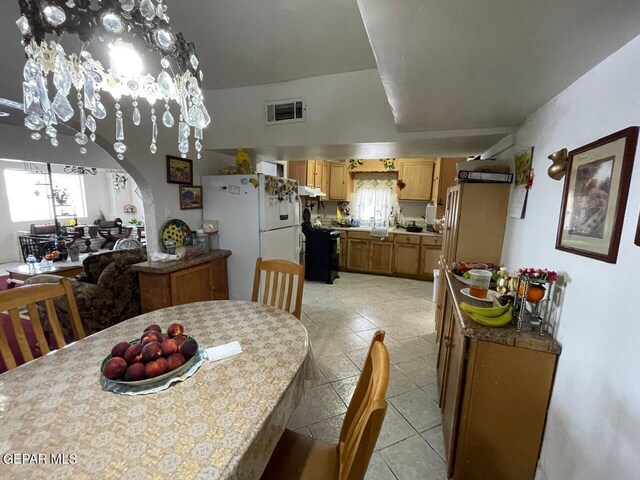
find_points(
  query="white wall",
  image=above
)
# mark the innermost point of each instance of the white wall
(593, 427)
(343, 108)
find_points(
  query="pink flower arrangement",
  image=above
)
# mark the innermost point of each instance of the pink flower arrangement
(538, 274)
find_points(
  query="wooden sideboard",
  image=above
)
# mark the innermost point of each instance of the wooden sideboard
(196, 279)
(494, 388)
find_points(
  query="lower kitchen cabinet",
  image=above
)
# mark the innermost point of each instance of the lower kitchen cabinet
(399, 254)
(381, 256)
(358, 254)
(344, 251)
(494, 388)
(429, 256)
(185, 281)
(407, 255)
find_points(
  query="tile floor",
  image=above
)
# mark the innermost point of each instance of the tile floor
(341, 319)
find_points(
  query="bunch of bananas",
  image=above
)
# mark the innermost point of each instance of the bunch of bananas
(489, 317)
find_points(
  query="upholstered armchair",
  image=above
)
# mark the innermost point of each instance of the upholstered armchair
(107, 292)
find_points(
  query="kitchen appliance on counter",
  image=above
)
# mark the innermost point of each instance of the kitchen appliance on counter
(322, 254)
(258, 216)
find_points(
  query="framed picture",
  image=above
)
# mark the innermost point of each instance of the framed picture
(595, 196)
(190, 197)
(179, 170)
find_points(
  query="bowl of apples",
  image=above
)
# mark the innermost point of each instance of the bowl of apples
(154, 359)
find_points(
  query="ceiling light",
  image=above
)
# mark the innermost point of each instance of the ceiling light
(50, 73)
(125, 61)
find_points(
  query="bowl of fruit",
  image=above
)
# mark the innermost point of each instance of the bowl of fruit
(153, 359)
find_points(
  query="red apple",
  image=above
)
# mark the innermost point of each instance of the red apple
(119, 349)
(150, 336)
(189, 348)
(178, 339)
(133, 354)
(115, 368)
(135, 372)
(151, 351)
(153, 328)
(175, 361)
(169, 347)
(154, 368)
(175, 329)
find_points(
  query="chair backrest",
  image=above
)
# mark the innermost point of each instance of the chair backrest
(43, 229)
(280, 276)
(28, 296)
(366, 412)
(108, 224)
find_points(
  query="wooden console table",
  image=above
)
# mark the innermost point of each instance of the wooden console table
(195, 279)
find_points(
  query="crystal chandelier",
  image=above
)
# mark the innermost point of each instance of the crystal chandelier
(123, 25)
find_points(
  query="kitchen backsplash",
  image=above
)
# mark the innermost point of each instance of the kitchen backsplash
(412, 211)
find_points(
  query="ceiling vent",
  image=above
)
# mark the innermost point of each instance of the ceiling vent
(285, 111)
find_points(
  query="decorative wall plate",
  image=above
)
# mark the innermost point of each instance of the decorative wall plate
(175, 230)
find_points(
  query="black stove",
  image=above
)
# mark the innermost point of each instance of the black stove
(322, 254)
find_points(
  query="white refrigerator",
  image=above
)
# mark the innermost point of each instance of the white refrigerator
(258, 216)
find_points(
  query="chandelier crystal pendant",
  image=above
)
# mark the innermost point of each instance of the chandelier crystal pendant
(126, 26)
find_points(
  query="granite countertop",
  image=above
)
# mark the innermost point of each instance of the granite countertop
(168, 267)
(392, 230)
(508, 335)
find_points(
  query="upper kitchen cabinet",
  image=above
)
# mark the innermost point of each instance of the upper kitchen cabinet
(445, 177)
(307, 172)
(340, 182)
(326, 175)
(417, 174)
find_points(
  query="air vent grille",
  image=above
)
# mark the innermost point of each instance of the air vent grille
(285, 111)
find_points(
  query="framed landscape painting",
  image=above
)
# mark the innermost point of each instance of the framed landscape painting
(190, 197)
(179, 170)
(595, 196)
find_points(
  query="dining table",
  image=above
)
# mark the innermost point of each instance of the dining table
(58, 421)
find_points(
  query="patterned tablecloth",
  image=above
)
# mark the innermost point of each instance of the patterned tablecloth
(221, 423)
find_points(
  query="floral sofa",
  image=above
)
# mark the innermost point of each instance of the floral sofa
(107, 292)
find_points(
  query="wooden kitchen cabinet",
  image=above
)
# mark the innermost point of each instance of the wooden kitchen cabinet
(340, 182)
(368, 254)
(494, 388)
(429, 257)
(358, 254)
(307, 172)
(185, 281)
(344, 251)
(417, 174)
(381, 256)
(407, 255)
(445, 177)
(399, 254)
(475, 219)
(326, 178)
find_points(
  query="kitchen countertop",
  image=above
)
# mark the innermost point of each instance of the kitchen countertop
(508, 335)
(394, 230)
(168, 267)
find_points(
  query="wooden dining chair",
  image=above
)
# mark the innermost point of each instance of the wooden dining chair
(301, 457)
(29, 296)
(280, 276)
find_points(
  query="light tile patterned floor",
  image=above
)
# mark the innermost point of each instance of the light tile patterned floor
(341, 318)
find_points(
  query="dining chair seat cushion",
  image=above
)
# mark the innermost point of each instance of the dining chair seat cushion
(13, 342)
(299, 456)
